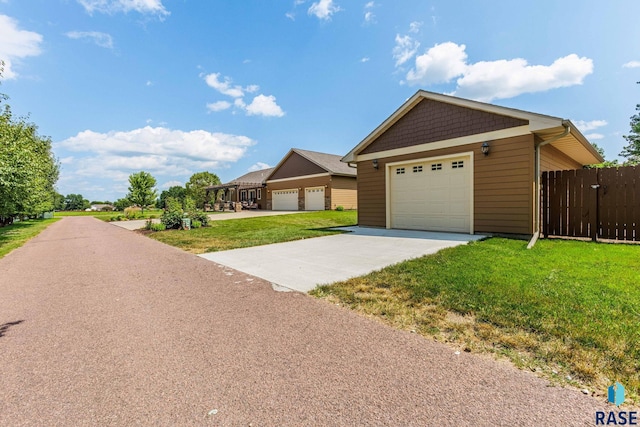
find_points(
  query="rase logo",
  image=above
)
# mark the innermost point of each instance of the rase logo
(615, 395)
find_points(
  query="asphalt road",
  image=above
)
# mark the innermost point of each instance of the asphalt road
(102, 326)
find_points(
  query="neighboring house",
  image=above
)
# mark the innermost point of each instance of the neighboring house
(249, 187)
(310, 181)
(425, 166)
(100, 208)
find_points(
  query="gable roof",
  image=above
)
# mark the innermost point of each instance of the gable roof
(248, 180)
(332, 163)
(574, 144)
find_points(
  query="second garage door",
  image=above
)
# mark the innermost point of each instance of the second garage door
(284, 200)
(431, 195)
(314, 199)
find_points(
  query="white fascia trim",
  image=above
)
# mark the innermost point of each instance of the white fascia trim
(447, 143)
(317, 175)
(387, 183)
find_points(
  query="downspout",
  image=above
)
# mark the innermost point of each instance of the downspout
(566, 131)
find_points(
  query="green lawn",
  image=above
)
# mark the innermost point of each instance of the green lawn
(240, 233)
(15, 235)
(106, 216)
(562, 308)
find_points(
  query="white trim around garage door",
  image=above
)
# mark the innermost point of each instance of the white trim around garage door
(387, 182)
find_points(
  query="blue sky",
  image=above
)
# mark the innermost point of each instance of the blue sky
(175, 87)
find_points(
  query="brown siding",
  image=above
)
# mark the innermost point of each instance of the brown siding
(344, 192)
(552, 159)
(431, 121)
(503, 186)
(296, 165)
(300, 184)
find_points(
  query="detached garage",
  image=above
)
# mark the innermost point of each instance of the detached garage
(442, 163)
(311, 181)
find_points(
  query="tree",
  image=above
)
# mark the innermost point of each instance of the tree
(177, 192)
(28, 168)
(197, 187)
(141, 189)
(122, 204)
(58, 201)
(75, 202)
(632, 151)
(606, 163)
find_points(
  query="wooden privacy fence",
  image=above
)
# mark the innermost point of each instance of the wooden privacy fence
(596, 203)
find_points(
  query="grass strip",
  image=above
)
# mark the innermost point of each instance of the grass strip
(17, 234)
(242, 233)
(565, 308)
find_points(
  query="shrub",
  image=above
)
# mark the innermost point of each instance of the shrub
(132, 213)
(199, 216)
(158, 227)
(172, 216)
(196, 224)
(339, 208)
(147, 224)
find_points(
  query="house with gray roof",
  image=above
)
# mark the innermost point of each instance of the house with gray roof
(249, 188)
(309, 181)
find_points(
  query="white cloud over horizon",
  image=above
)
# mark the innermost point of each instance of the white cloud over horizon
(369, 16)
(261, 105)
(16, 44)
(586, 126)
(101, 39)
(489, 80)
(631, 64)
(258, 167)
(159, 151)
(323, 9)
(406, 47)
(151, 7)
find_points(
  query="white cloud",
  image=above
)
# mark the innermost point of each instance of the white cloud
(152, 7)
(439, 64)
(414, 27)
(258, 167)
(290, 15)
(224, 87)
(404, 49)
(16, 44)
(489, 80)
(369, 17)
(219, 106)
(170, 184)
(101, 39)
(323, 9)
(149, 83)
(264, 106)
(365, 59)
(632, 64)
(158, 150)
(585, 126)
(261, 105)
(594, 136)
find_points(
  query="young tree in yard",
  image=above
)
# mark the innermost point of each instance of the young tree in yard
(141, 189)
(122, 204)
(606, 163)
(197, 187)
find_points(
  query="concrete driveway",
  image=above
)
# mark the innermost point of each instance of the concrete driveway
(304, 264)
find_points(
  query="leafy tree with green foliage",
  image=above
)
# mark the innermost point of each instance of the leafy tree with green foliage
(177, 192)
(28, 168)
(606, 163)
(632, 151)
(197, 187)
(58, 201)
(75, 202)
(122, 204)
(141, 189)
(173, 214)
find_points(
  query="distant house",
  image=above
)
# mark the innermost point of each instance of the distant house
(100, 208)
(248, 188)
(308, 181)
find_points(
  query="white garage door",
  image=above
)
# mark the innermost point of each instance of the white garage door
(284, 200)
(431, 195)
(314, 199)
